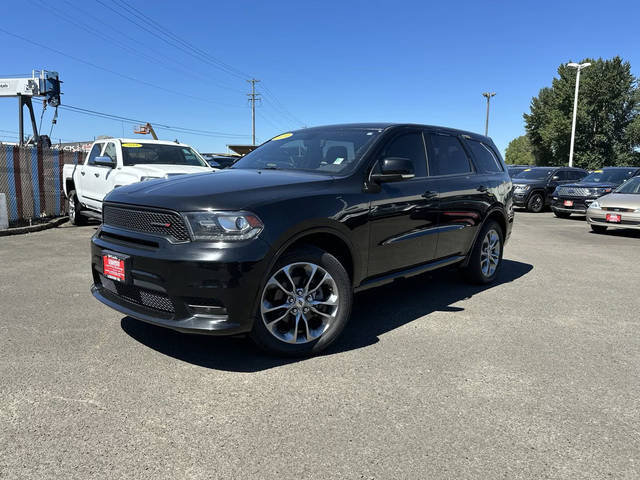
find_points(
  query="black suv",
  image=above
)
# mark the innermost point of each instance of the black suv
(276, 245)
(576, 197)
(534, 187)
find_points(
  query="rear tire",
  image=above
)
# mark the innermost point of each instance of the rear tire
(598, 228)
(304, 304)
(75, 210)
(535, 203)
(561, 214)
(485, 258)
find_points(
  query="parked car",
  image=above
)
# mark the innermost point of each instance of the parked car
(276, 245)
(114, 162)
(576, 197)
(516, 169)
(533, 187)
(220, 161)
(620, 209)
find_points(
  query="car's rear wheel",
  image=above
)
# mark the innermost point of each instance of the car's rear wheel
(599, 228)
(535, 203)
(304, 303)
(561, 214)
(485, 259)
(75, 210)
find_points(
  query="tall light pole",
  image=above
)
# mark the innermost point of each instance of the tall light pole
(578, 67)
(486, 124)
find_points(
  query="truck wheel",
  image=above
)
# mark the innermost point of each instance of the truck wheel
(304, 304)
(561, 214)
(598, 228)
(75, 210)
(535, 203)
(485, 259)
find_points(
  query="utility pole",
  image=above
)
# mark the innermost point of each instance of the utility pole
(578, 67)
(488, 95)
(253, 96)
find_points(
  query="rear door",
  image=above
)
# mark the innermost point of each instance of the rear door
(86, 185)
(464, 193)
(403, 216)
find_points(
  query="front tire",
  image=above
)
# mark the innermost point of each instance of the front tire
(75, 210)
(485, 259)
(535, 203)
(598, 228)
(561, 214)
(304, 303)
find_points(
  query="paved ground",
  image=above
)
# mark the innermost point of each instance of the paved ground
(536, 377)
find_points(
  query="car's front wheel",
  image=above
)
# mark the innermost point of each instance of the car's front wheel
(304, 303)
(485, 259)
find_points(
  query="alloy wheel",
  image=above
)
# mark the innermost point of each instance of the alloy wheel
(72, 208)
(299, 303)
(490, 253)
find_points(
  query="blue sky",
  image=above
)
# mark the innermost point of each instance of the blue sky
(322, 62)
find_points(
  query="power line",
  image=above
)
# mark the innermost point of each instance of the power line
(253, 97)
(278, 104)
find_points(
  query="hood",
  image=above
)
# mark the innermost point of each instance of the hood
(526, 181)
(229, 189)
(164, 170)
(620, 200)
(590, 185)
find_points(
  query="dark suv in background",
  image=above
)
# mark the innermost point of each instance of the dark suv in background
(275, 245)
(533, 187)
(576, 197)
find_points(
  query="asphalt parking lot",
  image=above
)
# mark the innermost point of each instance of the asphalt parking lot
(535, 377)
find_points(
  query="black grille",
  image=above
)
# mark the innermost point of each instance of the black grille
(166, 224)
(140, 296)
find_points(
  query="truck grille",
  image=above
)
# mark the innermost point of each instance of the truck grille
(140, 296)
(166, 224)
(574, 191)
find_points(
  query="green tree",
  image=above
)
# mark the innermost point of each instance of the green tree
(519, 151)
(607, 128)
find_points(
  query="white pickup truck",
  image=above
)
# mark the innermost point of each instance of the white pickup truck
(114, 162)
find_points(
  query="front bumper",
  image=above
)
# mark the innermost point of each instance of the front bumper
(193, 287)
(628, 219)
(580, 204)
(520, 198)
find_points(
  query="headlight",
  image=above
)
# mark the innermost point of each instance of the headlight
(223, 226)
(594, 204)
(144, 179)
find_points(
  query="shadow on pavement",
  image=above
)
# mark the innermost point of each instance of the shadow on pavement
(381, 310)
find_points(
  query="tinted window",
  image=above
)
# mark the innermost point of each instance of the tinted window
(447, 156)
(110, 151)
(409, 146)
(562, 175)
(159, 154)
(539, 173)
(95, 152)
(609, 176)
(485, 158)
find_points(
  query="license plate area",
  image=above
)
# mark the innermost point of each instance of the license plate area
(614, 217)
(568, 203)
(115, 266)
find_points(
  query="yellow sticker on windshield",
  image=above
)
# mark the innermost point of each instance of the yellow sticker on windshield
(597, 171)
(132, 145)
(528, 170)
(283, 136)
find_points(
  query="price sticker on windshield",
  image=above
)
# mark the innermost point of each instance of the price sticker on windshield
(282, 137)
(132, 145)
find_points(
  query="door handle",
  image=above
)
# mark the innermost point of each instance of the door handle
(97, 174)
(482, 188)
(82, 172)
(429, 195)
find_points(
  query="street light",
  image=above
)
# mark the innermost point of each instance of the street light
(578, 67)
(486, 124)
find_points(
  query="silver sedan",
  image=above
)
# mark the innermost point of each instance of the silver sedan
(620, 209)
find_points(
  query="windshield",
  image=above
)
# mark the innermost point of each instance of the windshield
(159, 154)
(631, 186)
(608, 176)
(534, 173)
(324, 150)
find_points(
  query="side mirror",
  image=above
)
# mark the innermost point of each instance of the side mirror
(394, 169)
(555, 178)
(104, 162)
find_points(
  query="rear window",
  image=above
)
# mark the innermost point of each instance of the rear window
(485, 158)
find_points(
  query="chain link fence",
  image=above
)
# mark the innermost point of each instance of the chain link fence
(31, 178)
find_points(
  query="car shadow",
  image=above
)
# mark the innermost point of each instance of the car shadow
(372, 317)
(619, 232)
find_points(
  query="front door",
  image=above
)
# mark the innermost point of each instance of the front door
(403, 215)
